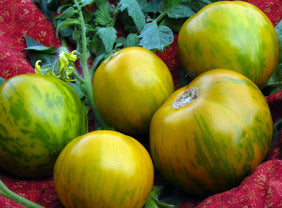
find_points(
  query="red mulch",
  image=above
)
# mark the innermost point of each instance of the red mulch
(263, 188)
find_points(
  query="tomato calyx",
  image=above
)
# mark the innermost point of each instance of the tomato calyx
(187, 97)
(111, 57)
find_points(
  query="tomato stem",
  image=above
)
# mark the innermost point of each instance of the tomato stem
(87, 77)
(187, 97)
(6, 192)
(160, 17)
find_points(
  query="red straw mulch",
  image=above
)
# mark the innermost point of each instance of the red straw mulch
(263, 188)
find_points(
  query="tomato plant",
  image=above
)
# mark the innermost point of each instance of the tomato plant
(212, 133)
(39, 116)
(230, 35)
(103, 169)
(129, 86)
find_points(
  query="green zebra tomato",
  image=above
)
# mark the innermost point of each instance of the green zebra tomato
(39, 115)
(212, 133)
(233, 35)
(128, 88)
(103, 169)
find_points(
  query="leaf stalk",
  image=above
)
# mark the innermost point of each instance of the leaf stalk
(6, 192)
(87, 77)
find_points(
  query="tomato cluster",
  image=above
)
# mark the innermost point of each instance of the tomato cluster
(204, 137)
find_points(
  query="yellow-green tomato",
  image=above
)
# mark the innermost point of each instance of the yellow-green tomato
(39, 115)
(212, 133)
(128, 88)
(103, 169)
(233, 35)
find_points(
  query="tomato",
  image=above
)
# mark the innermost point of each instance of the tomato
(212, 133)
(128, 88)
(39, 116)
(104, 169)
(233, 35)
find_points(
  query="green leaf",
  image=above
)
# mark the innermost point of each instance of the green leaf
(196, 5)
(103, 13)
(48, 50)
(108, 35)
(30, 42)
(69, 12)
(168, 4)
(53, 4)
(33, 45)
(96, 45)
(184, 77)
(134, 11)
(173, 24)
(154, 195)
(155, 37)
(1, 81)
(62, 7)
(78, 88)
(165, 196)
(276, 128)
(149, 6)
(83, 3)
(120, 42)
(132, 40)
(180, 11)
(66, 23)
(37, 51)
(164, 205)
(278, 29)
(274, 84)
(66, 31)
(43, 5)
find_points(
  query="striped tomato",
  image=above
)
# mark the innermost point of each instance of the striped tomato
(212, 133)
(39, 116)
(103, 169)
(129, 86)
(232, 35)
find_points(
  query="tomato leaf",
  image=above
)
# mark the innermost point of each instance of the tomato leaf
(52, 5)
(65, 24)
(197, 5)
(172, 24)
(131, 40)
(69, 12)
(80, 91)
(166, 5)
(45, 8)
(108, 36)
(103, 13)
(153, 200)
(274, 84)
(156, 37)
(83, 3)
(184, 78)
(276, 128)
(180, 11)
(37, 51)
(1, 81)
(35, 46)
(134, 11)
(149, 6)
(165, 196)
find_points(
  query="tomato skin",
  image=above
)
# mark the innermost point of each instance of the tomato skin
(232, 35)
(211, 144)
(128, 88)
(103, 169)
(39, 116)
